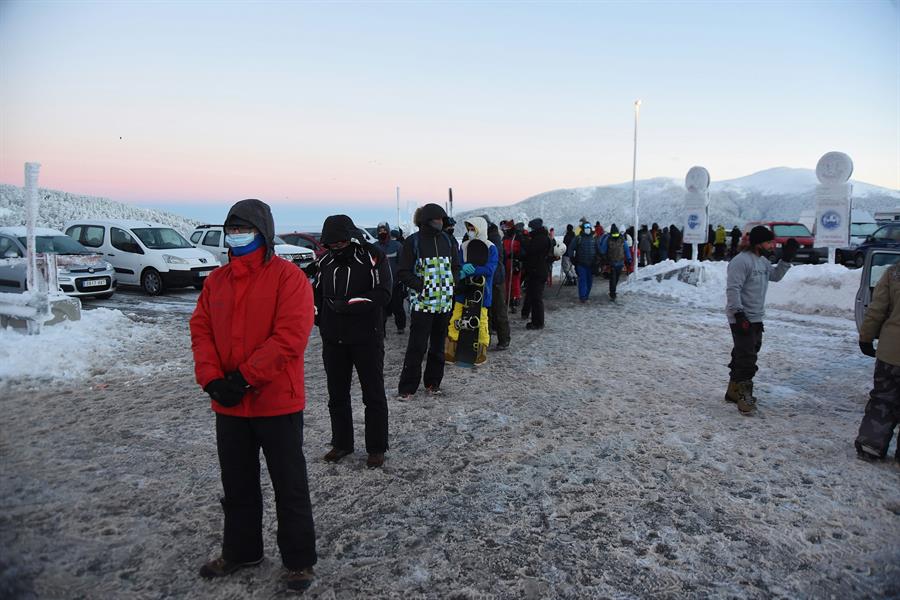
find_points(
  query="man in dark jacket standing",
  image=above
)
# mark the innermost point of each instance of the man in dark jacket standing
(391, 249)
(498, 316)
(537, 249)
(248, 335)
(352, 289)
(429, 268)
(584, 255)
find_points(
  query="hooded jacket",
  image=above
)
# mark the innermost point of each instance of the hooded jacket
(489, 268)
(259, 214)
(584, 249)
(616, 249)
(497, 241)
(537, 248)
(352, 288)
(429, 264)
(391, 249)
(254, 315)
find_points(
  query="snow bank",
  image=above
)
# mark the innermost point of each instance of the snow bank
(826, 289)
(69, 350)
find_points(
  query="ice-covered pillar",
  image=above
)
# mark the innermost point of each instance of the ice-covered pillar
(832, 227)
(696, 207)
(31, 210)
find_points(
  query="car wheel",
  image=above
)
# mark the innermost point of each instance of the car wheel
(104, 296)
(151, 281)
(859, 259)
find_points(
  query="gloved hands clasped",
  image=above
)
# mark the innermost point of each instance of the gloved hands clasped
(228, 391)
(743, 324)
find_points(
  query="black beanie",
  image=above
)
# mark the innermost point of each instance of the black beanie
(760, 234)
(613, 229)
(535, 223)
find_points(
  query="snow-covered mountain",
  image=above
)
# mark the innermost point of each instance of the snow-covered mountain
(780, 193)
(56, 208)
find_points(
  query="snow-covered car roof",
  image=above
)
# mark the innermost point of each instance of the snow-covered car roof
(291, 249)
(21, 231)
(129, 223)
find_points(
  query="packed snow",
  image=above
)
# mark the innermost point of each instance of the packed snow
(595, 458)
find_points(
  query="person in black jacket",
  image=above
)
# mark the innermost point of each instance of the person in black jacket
(537, 249)
(352, 289)
(498, 316)
(429, 268)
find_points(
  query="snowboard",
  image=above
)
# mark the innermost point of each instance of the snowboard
(470, 321)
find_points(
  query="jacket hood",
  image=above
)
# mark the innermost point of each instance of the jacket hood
(339, 228)
(480, 226)
(430, 212)
(257, 213)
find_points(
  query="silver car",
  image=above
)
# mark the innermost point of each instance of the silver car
(877, 260)
(80, 272)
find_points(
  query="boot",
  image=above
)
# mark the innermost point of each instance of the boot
(733, 392)
(746, 403)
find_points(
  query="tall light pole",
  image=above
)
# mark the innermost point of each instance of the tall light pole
(398, 207)
(634, 196)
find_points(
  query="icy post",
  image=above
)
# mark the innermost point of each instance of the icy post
(833, 198)
(31, 208)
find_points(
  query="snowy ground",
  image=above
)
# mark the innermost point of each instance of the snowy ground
(598, 461)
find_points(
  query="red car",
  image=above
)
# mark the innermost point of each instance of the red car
(305, 240)
(785, 230)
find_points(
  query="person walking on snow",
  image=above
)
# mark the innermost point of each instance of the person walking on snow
(882, 322)
(391, 250)
(476, 229)
(248, 335)
(618, 254)
(749, 274)
(429, 268)
(584, 255)
(353, 288)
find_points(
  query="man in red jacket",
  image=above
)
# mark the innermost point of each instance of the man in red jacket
(248, 334)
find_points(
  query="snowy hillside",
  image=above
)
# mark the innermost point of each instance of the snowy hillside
(779, 193)
(57, 208)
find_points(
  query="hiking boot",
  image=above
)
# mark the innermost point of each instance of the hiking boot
(299, 580)
(405, 395)
(733, 392)
(336, 454)
(867, 453)
(746, 403)
(533, 326)
(501, 346)
(434, 390)
(375, 460)
(219, 567)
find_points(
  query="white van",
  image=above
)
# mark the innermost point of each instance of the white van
(150, 255)
(212, 239)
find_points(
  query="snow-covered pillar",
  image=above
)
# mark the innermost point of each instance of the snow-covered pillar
(833, 195)
(31, 210)
(696, 207)
(634, 194)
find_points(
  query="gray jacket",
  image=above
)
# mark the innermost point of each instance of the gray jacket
(748, 280)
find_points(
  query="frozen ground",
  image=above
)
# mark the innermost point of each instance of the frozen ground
(597, 460)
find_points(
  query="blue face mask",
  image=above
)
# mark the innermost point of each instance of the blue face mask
(239, 240)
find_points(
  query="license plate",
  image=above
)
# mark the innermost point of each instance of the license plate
(203, 273)
(93, 283)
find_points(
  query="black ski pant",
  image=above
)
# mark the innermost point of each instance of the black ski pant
(498, 316)
(745, 352)
(368, 359)
(883, 409)
(534, 299)
(614, 273)
(281, 439)
(396, 308)
(427, 333)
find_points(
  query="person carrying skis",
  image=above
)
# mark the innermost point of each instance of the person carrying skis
(498, 318)
(391, 250)
(512, 250)
(749, 274)
(352, 289)
(882, 322)
(584, 254)
(476, 229)
(248, 335)
(537, 249)
(429, 268)
(618, 254)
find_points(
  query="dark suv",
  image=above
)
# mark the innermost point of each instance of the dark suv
(886, 236)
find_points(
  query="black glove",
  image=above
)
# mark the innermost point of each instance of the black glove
(237, 378)
(743, 325)
(789, 250)
(224, 392)
(868, 348)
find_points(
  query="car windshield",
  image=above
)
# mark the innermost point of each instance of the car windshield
(278, 240)
(161, 238)
(797, 230)
(57, 244)
(863, 229)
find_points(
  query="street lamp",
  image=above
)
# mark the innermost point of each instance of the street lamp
(634, 196)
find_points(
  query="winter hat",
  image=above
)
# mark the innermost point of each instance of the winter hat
(613, 230)
(535, 223)
(338, 228)
(254, 213)
(429, 212)
(760, 234)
